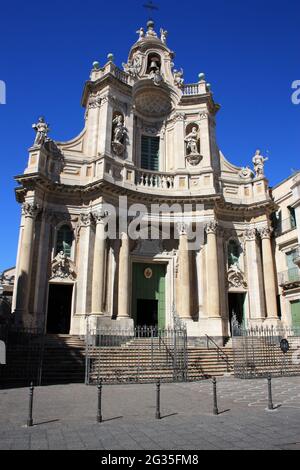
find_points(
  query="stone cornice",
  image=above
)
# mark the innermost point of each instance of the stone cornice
(42, 183)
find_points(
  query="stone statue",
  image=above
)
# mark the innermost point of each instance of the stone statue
(42, 130)
(156, 76)
(192, 142)
(134, 66)
(259, 163)
(163, 35)
(119, 128)
(141, 33)
(178, 78)
(150, 29)
(119, 134)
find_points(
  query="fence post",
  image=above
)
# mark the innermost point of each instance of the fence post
(158, 416)
(30, 419)
(215, 407)
(270, 400)
(99, 413)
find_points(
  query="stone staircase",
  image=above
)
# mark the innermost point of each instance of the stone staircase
(142, 360)
(64, 362)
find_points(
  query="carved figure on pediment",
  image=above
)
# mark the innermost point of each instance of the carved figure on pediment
(178, 78)
(163, 35)
(141, 33)
(41, 128)
(133, 67)
(259, 163)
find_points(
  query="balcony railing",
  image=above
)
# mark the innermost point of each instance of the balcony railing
(284, 226)
(121, 75)
(148, 179)
(191, 89)
(291, 276)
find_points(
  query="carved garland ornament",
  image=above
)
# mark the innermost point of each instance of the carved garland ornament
(63, 267)
(236, 278)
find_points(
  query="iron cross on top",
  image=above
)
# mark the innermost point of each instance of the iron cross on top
(150, 6)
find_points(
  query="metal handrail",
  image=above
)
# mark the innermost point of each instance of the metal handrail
(169, 352)
(220, 352)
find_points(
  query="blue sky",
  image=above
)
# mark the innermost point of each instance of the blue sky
(249, 51)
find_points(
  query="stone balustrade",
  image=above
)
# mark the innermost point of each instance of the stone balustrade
(191, 89)
(148, 179)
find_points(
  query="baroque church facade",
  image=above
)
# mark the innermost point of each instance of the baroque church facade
(148, 138)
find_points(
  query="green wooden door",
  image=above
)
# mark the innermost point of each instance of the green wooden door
(148, 283)
(295, 311)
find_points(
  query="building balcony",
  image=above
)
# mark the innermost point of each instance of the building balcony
(289, 279)
(284, 226)
(296, 257)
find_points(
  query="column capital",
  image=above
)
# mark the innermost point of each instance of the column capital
(265, 232)
(250, 234)
(86, 219)
(182, 228)
(99, 215)
(30, 210)
(211, 227)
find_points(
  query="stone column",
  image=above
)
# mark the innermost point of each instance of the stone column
(124, 281)
(183, 276)
(84, 264)
(99, 264)
(30, 212)
(213, 292)
(269, 273)
(254, 276)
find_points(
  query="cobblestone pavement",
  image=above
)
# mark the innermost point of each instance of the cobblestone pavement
(65, 417)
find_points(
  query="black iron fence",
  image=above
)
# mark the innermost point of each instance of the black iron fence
(141, 354)
(24, 356)
(260, 351)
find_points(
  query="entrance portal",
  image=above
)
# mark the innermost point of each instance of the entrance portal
(147, 312)
(148, 294)
(59, 309)
(236, 307)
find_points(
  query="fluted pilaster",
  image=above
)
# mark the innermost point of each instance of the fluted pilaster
(213, 291)
(269, 273)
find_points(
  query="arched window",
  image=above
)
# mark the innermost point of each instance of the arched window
(233, 253)
(64, 240)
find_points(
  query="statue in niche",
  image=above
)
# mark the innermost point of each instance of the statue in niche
(163, 35)
(119, 135)
(259, 163)
(42, 129)
(192, 142)
(178, 78)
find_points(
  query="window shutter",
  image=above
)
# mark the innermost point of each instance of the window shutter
(150, 153)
